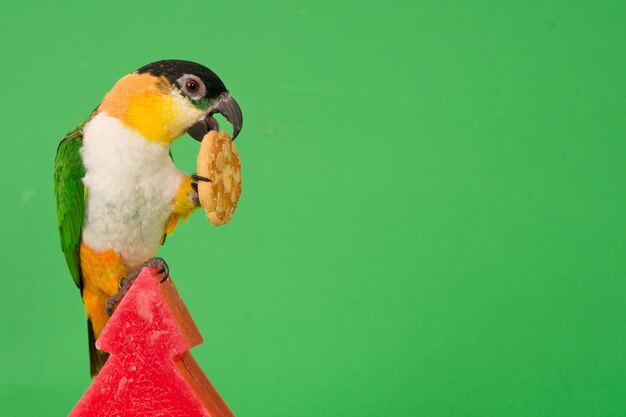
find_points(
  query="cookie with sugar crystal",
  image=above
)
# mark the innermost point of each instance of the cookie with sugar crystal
(218, 161)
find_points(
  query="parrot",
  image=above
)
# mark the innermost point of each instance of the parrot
(118, 192)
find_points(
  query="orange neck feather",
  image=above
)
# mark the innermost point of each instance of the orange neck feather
(148, 105)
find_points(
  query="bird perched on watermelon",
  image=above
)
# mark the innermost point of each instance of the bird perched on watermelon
(118, 191)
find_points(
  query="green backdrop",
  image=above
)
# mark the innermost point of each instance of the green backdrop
(432, 220)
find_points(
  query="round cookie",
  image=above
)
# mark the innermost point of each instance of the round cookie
(218, 161)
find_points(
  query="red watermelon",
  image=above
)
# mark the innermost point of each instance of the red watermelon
(150, 371)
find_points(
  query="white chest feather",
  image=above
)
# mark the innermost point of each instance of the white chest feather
(131, 183)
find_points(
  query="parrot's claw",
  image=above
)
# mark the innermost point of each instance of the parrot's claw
(197, 177)
(128, 280)
(159, 264)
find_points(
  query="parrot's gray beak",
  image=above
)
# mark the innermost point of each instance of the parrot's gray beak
(226, 106)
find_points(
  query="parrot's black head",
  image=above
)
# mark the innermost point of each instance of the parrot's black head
(174, 70)
(203, 88)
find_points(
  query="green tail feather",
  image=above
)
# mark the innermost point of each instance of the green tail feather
(97, 358)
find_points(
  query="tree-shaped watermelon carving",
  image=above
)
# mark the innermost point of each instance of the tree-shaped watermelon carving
(150, 371)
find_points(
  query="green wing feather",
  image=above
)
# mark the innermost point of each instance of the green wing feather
(70, 195)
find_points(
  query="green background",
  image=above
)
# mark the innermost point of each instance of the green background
(432, 220)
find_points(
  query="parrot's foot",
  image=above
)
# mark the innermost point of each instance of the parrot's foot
(128, 280)
(193, 196)
(159, 264)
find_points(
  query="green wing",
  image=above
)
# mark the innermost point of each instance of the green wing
(70, 194)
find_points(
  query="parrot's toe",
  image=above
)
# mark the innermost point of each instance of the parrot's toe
(128, 280)
(111, 303)
(195, 199)
(197, 177)
(159, 264)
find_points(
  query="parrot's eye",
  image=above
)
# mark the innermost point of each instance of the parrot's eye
(192, 86)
